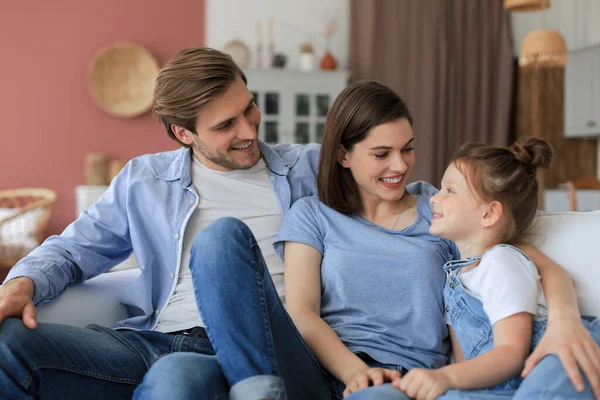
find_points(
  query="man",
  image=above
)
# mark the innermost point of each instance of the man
(155, 207)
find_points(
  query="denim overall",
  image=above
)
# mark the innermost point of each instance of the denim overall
(465, 313)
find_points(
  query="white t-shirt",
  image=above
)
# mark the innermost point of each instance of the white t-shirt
(244, 194)
(507, 282)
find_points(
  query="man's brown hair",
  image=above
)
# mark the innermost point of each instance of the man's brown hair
(189, 81)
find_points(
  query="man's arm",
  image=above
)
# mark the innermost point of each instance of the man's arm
(96, 241)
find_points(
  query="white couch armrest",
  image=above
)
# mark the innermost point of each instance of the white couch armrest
(94, 301)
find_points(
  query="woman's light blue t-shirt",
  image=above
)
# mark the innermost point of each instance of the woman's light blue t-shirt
(382, 290)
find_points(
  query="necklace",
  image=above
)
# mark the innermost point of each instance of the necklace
(398, 218)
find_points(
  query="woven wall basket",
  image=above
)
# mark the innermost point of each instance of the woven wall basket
(121, 79)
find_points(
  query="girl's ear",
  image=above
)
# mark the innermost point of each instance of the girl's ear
(493, 214)
(342, 157)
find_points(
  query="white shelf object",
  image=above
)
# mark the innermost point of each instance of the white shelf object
(557, 200)
(582, 93)
(294, 103)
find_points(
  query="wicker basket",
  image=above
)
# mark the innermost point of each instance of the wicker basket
(24, 217)
(121, 79)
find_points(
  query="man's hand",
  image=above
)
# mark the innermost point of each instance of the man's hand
(16, 300)
(424, 384)
(368, 377)
(572, 343)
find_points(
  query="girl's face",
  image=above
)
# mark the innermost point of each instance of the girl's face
(381, 162)
(457, 209)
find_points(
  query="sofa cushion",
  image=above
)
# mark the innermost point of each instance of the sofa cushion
(573, 240)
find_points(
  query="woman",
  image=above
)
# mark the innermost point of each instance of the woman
(363, 275)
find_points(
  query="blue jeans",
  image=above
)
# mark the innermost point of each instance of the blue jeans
(255, 341)
(64, 362)
(547, 381)
(388, 392)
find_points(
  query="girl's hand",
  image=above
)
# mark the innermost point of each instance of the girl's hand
(370, 377)
(424, 384)
(572, 343)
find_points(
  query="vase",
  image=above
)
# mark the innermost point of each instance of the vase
(307, 61)
(328, 61)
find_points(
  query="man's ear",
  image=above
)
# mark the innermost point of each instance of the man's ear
(182, 134)
(493, 214)
(343, 156)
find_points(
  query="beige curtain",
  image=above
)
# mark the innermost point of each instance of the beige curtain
(450, 60)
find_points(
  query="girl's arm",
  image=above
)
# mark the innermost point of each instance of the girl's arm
(512, 338)
(303, 302)
(566, 336)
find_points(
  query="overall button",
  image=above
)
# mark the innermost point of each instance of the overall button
(177, 236)
(172, 276)
(191, 202)
(447, 308)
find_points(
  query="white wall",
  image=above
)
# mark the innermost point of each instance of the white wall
(577, 20)
(294, 22)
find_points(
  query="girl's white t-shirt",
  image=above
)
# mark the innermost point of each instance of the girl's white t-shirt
(507, 282)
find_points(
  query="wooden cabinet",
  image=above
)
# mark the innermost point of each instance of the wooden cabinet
(582, 93)
(294, 104)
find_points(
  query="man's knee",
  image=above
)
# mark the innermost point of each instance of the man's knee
(182, 375)
(15, 334)
(222, 232)
(183, 365)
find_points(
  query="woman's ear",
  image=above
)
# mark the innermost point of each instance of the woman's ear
(342, 157)
(493, 214)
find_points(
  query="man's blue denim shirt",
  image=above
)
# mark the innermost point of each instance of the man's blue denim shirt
(145, 210)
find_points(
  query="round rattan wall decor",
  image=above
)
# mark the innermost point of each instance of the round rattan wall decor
(121, 79)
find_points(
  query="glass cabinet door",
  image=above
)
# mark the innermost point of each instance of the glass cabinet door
(310, 111)
(269, 103)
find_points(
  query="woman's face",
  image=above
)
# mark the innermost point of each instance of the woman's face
(381, 162)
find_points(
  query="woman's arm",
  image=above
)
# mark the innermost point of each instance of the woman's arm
(565, 336)
(303, 303)
(512, 338)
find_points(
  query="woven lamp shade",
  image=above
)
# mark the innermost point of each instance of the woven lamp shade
(121, 79)
(543, 48)
(526, 5)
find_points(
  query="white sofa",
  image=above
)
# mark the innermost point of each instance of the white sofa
(572, 239)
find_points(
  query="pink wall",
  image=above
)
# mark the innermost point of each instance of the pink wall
(48, 120)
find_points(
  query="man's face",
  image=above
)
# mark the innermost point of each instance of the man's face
(227, 131)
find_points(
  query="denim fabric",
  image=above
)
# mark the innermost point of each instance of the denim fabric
(475, 335)
(184, 376)
(63, 362)
(145, 210)
(389, 392)
(246, 322)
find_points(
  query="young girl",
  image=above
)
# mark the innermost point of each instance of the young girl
(494, 305)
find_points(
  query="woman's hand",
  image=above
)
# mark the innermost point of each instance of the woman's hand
(371, 377)
(424, 384)
(572, 343)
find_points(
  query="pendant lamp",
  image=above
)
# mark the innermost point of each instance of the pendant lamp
(543, 48)
(526, 5)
